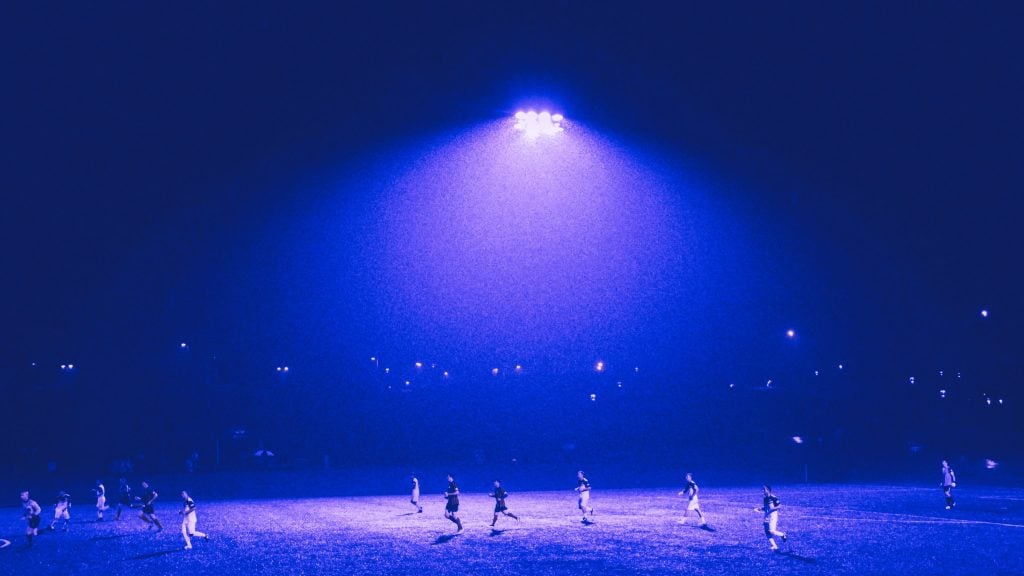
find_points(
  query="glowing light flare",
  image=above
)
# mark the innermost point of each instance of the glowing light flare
(599, 366)
(790, 334)
(798, 439)
(593, 397)
(533, 124)
(984, 313)
(991, 464)
(494, 372)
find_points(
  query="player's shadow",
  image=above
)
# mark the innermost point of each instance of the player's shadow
(406, 514)
(156, 554)
(587, 522)
(795, 556)
(708, 528)
(497, 531)
(444, 539)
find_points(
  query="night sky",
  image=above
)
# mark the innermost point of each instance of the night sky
(313, 185)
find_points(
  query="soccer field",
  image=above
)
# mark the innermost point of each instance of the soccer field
(835, 529)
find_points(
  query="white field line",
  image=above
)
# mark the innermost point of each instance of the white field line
(910, 519)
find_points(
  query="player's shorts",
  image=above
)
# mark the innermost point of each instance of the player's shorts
(148, 509)
(415, 497)
(584, 499)
(101, 501)
(500, 507)
(61, 512)
(693, 504)
(126, 500)
(452, 506)
(33, 521)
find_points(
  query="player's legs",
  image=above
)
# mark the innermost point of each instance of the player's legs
(948, 491)
(510, 515)
(185, 531)
(772, 529)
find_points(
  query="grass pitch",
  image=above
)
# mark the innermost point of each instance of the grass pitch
(832, 530)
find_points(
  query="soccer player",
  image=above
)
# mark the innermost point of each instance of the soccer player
(690, 491)
(124, 497)
(188, 521)
(148, 514)
(61, 510)
(451, 509)
(416, 494)
(948, 483)
(499, 496)
(770, 507)
(32, 514)
(583, 488)
(101, 500)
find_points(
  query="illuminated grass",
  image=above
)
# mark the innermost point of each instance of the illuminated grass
(833, 529)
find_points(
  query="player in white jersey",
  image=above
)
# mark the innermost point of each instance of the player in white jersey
(583, 489)
(188, 521)
(101, 500)
(692, 501)
(61, 510)
(948, 483)
(415, 499)
(770, 507)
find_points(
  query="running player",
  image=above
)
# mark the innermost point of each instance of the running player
(61, 510)
(416, 494)
(148, 514)
(948, 483)
(499, 496)
(101, 500)
(124, 497)
(690, 491)
(188, 521)
(32, 514)
(770, 507)
(451, 509)
(583, 488)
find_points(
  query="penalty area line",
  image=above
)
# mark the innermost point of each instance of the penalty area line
(921, 521)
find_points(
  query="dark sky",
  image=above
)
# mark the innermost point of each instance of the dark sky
(148, 147)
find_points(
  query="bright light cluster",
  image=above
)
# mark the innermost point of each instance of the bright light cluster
(534, 124)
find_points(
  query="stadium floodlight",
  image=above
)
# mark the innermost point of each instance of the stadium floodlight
(533, 124)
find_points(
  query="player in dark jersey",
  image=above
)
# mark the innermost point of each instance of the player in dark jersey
(415, 498)
(61, 510)
(32, 514)
(188, 521)
(948, 483)
(692, 501)
(500, 507)
(583, 488)
(101, 500)
(770, 506)
(124, 497)
(148, 500)
(451, 509)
